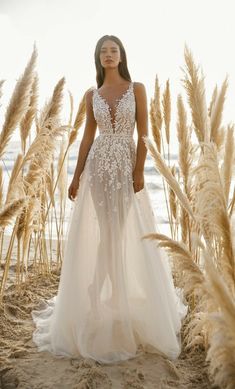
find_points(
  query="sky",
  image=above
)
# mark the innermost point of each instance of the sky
(153, 33)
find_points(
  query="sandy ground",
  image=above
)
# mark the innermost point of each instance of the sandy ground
(23, 367)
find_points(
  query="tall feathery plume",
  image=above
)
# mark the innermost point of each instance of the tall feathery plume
(157, 115)
(211, 210)
(213, 101)
(185, 147)
(26, 122)
(19, 103)
(194, 86)
(185, 161)
(52, 108)
(41, 153)
(166, 103)
(11, 210)
(216, 114)
(222, 337)
(40, 161)
(50, 114)
(193, 276)
(155, 130)
(227, 167)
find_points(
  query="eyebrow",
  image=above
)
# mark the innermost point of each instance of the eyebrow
(113, 47)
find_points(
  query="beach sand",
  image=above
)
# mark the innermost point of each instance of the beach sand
(23, 367)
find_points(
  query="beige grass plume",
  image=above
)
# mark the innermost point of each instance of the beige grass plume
(222, 339)
(52, 108)
(19, 103)
(227, 167)
(193, 276)
(213, 100)
(211, 210)
(155, 130)
(157, 115)
(194, 86)
(185, 147)
(8, 213)
(216, 113)
(79, 119)
(26, 122)
(166, 103)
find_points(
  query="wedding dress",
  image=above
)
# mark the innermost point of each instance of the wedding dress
(116, 291)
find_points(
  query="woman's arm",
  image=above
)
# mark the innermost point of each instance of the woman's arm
(85, 145)
(142, 128)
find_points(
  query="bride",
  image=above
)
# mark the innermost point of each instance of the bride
(116, 294)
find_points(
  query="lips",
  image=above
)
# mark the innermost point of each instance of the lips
(108, 60)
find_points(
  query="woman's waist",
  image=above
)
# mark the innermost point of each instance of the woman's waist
(116, 134)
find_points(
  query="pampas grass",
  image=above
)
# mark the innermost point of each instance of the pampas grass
(30, 203)
(19, 103)
(194, 86)
(198, 199)
(27, 121)
(156, 116)
(216, 110)
(11, 211)
(203, 261)
(166, 103)
(222, 338)
(227, 167)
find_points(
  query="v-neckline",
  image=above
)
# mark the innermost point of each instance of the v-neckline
(113, 124)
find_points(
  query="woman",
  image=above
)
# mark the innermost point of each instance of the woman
(116, 293)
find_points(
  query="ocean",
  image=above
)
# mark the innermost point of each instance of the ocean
(153, 182)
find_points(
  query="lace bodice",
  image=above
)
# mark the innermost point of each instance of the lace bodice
(124, 113)
(112, 156)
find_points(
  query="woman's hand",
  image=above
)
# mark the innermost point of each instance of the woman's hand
(73, 188)
(138, 180)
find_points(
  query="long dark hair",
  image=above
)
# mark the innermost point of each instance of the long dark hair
(122, 66)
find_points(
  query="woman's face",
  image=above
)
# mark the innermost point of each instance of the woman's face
(110, 54)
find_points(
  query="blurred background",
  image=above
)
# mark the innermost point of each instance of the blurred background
(153, 33)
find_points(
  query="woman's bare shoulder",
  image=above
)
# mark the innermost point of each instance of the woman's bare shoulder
(139, 88)
(139, 84)
(89, 93)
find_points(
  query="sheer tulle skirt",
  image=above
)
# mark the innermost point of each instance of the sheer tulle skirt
(116, 291)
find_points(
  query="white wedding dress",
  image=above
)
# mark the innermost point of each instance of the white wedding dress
(116, 291)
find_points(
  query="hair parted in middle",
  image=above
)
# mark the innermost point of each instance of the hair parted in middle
(122, 66)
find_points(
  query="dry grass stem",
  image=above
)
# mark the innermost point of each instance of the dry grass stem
(166, 172)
